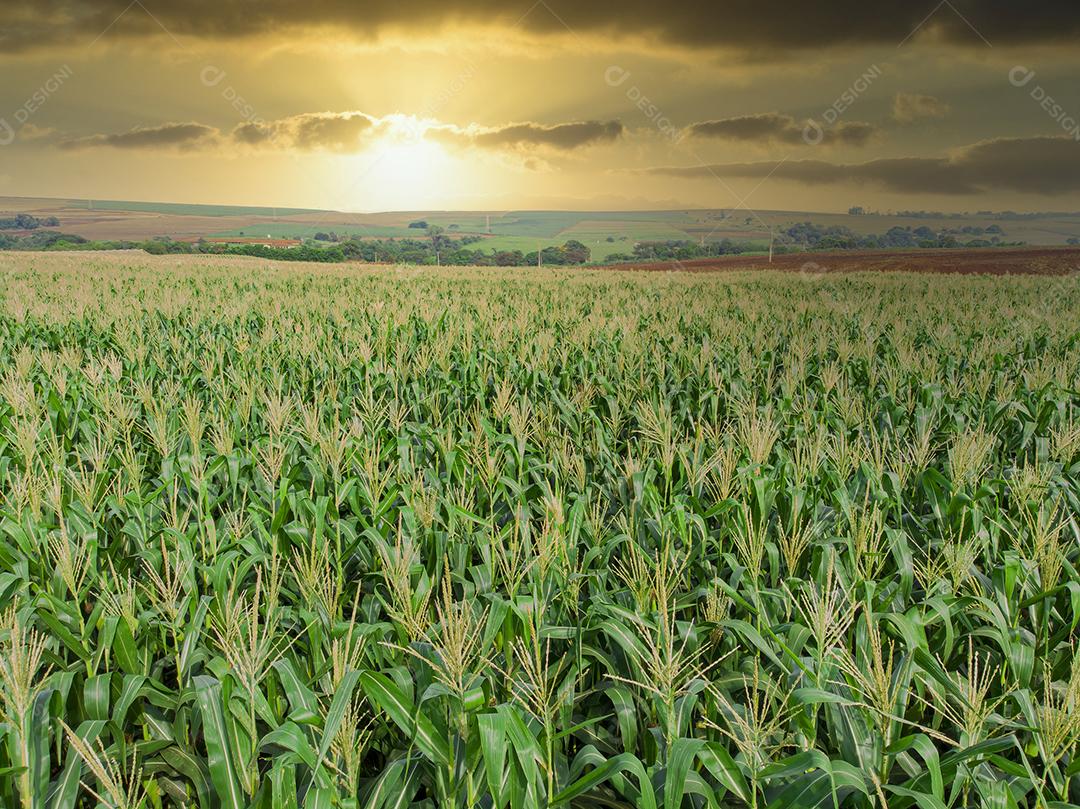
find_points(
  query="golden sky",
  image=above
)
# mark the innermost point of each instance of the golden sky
(580, 104)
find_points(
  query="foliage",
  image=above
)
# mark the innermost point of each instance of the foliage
(25, 221)
(682, 250)
(338, 537)
(838, 237)
(438, 249)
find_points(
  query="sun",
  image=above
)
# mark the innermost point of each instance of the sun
(405, 168)
(403, 160)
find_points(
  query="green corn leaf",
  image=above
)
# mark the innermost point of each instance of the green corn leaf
(219, 745)
(622, 763)
(406, 716)
(65, 789)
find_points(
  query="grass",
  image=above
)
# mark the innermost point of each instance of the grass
(535, 224)
(186, 209)
(593, 233)
(287, 230)
(549, 227)
(302, 537)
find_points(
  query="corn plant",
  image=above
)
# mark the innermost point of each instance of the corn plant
(361, 538)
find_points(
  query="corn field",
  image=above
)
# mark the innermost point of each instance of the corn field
(338, 537)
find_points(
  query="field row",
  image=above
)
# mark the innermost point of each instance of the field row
(338, 537)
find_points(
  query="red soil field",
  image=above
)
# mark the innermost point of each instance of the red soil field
(242, 240)
(991, 261)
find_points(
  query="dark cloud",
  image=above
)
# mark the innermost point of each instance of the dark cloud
(1041, 165)
(563, 137)
(254, 134)
(908, 107)
(167, 136)
(333, 131)
(329, 131)
(352, 131)
(741, 24)
(772, 127)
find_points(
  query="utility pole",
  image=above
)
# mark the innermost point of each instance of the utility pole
(489, 224)
(771, 236)
(539, 257)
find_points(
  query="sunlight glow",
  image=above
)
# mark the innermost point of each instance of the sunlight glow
(403, 164)
(406, 162)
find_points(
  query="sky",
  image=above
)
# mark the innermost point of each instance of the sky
(554, 104)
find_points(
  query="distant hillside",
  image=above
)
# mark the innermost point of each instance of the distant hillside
(605, 233)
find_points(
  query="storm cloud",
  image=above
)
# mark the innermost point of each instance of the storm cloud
(757, 25)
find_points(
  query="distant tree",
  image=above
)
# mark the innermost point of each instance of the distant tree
(439, 241)
(49, 238)
(509, 258)
(574, 252)
(25, 221)
(419, 224)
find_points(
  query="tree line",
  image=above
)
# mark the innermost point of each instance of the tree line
(435, 251)
(25, 221)
(439, 249)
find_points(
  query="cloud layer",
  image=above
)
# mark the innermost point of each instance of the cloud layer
(772, 127)
(1040, 165)
(561, 137)
(351, 132)
(740, 24)
(167, 136)
(332, 131)
(910, 107)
